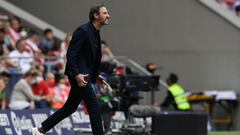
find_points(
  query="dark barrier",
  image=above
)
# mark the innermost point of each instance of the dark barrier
(20, 122)
(180, 123)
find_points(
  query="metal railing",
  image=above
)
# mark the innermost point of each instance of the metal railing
(48, 61)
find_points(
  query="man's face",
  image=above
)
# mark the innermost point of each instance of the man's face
(21, 46)
(50, 77)
(103, 16)
(49, 35)
(15, 25)
(35, 38)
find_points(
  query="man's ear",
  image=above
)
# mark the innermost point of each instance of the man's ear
(96, 15)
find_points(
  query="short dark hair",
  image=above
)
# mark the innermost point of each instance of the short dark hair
(46, 31)
(5, 74)
(32, 33)
(31, 72)
(15, 18)
(173, 77)
(94, 10)
(18, 42)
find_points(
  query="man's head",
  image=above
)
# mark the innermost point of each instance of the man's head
(48, 34)
(61, 79)
(15, 23)
(21, 45)
(99, 14)
(34, 36)
(5, 77)
(173, 78)
(49, 77)
(31, 76)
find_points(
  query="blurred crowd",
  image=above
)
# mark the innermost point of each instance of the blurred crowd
(32, 65)
(233, 5)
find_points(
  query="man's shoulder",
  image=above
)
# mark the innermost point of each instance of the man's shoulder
(83, 28)
(13, 53)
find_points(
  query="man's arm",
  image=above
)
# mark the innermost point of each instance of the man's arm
(74, 49)
(168, 100)
(28, 92)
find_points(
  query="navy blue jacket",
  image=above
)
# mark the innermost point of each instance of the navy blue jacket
(84, 52)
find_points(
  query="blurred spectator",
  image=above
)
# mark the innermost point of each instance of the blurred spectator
(55, 60)
(14, 30)
(60, 92)
(4, 78)
(65, 43)
(176, 98)
(108, 61)
(7, 39)
(107, 55)
(4, 52)
(47, 42)
(64, 47)
(40, 69)
(3, 20)
(20, 57)
(32, 43)
(3, 47)
(42, 88)
(104, 95)
(22, 96)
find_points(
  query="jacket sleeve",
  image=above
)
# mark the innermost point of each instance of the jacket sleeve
(28, 92)
(75, 46)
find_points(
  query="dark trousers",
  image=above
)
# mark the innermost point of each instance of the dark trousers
(75, 96)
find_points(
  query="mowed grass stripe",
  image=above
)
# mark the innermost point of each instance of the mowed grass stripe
(224, 133)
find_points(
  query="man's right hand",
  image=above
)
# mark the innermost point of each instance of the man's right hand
(80, 80)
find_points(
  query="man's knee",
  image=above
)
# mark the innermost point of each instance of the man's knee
(69, 109)
(95, 108)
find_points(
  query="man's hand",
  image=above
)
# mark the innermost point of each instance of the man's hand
(100, 80)
(102, 83)
(80, 80)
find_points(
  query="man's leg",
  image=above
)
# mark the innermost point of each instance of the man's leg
(69, 107)
(94, 110)
(107, 121)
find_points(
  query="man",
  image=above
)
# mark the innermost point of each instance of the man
(32, 43)
(176, 98)
(14, 34)
(47, 43)
(22, 96)
(42, 89)
(21, 57)
(4, 78)
(83, 60)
